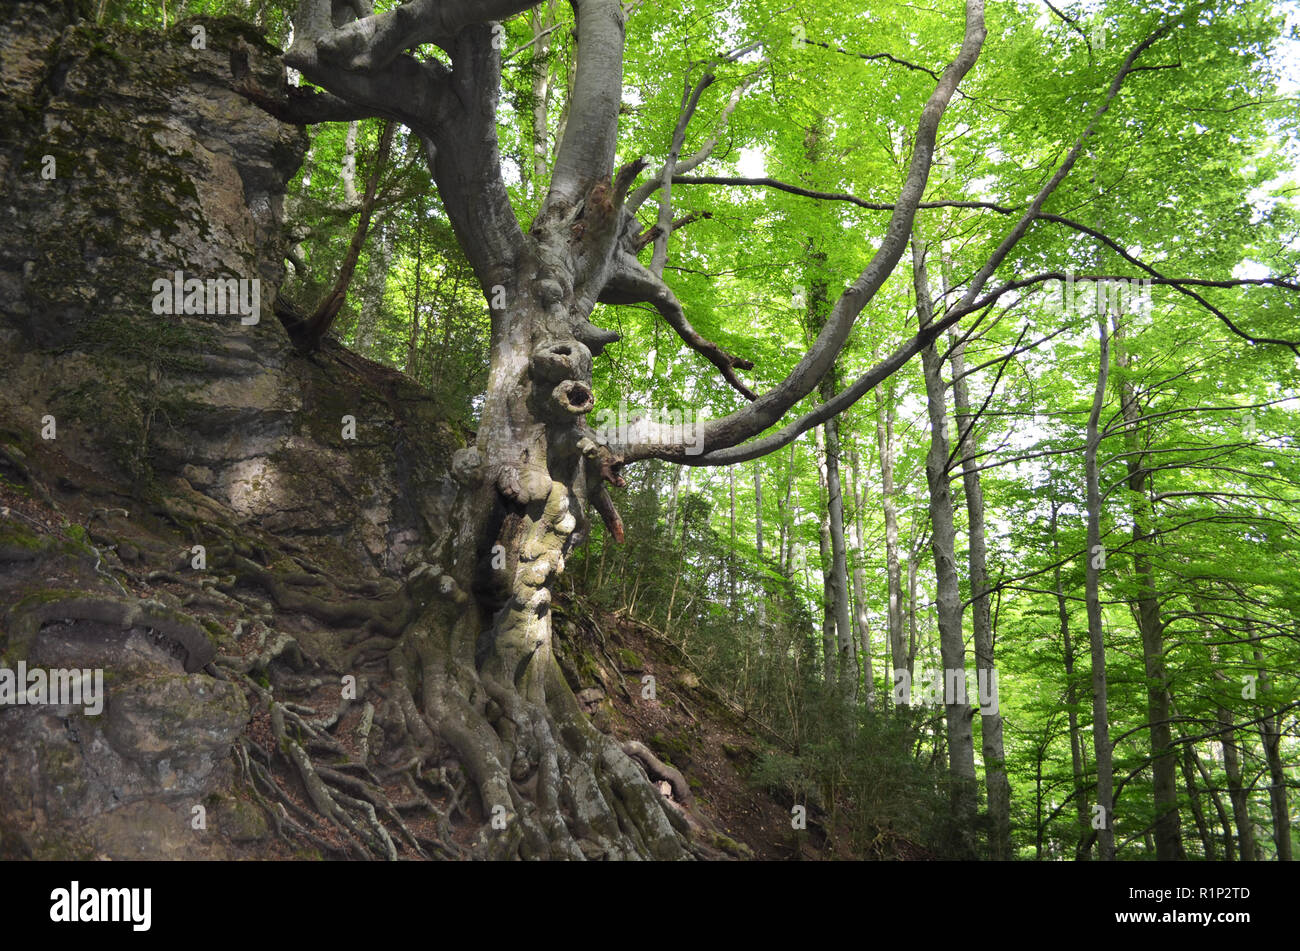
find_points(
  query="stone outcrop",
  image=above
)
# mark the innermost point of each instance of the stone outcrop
(174, 487)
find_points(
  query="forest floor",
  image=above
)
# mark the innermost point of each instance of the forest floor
(713, 743)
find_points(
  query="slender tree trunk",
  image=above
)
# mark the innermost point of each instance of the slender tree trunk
(787, 518)
(846, 643)
(1038, 802)
(415, 299)
(1083, 849)
(1270, 732)
(348, 172)
(686, 495)
(1225, 823)
(543, 22)
(1237, 792)
(758, 547)
(829, 645)
(995, 773)
(1164, 766)
(672, 503)
(1194, 803)
(782, 530)
(1095, 557)
(731, 563)
(860, 582)
(829, 652)
(900, 672)
(913, 643)
(948, 601)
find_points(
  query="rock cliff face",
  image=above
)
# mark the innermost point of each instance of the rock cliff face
(175, 487)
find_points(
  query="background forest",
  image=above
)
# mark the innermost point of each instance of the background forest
(1148, 360)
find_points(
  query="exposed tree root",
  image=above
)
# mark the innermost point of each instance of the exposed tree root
(404, 766)
(380, 616)
(549, 784)
(661, 771)
(25, 619)
(473, 745)
(351, 805)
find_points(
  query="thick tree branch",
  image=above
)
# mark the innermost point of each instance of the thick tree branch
(631, 282)
(771, 406)
(586, 153)
(372, 42)
(467, 162)
(405, 89)
(451, 111)
(291, 104)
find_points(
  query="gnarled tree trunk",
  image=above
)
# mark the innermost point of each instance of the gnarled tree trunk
(478, 664)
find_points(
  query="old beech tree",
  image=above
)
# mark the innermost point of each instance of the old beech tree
(478, 661)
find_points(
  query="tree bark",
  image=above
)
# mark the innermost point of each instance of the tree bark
(948, 603)
(1095, 558)
(902, 671)
(860, 584)
(1164, 765)
(1270, 732)
(1083, 848)
(995, 773)
(1238, 794)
